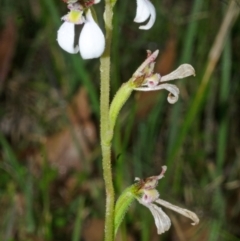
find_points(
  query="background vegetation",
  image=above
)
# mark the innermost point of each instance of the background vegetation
(51, 185)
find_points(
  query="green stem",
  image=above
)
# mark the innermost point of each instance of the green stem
(104, 125)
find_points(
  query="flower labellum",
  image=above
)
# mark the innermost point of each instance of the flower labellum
(162, 221)
(65, 38)
(145, 9)
(91, 41)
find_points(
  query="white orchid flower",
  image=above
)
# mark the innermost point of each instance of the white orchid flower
(145, 9)
(145, 79)
(91, 42)
(149, 198)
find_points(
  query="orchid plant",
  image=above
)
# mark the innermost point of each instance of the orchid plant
(91, 43)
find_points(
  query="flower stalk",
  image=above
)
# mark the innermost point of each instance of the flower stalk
(104, 124)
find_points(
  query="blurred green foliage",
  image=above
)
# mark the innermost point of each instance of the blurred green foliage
(197, 138)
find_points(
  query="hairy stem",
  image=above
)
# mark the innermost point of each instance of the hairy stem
(104, 125)
(118, 101)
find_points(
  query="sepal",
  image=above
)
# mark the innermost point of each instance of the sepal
(91, 41)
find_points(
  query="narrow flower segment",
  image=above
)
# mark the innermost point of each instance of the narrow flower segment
(148, 196)
(91, 42)
(145, 9)
(144, 78)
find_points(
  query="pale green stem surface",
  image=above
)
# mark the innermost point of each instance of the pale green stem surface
(123, 203)
(104, 125)
(118, 101)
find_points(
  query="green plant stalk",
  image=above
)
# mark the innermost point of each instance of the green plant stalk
(104, 124)
(129, 194)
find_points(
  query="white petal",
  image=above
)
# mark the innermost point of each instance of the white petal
(91, 41)
(145, 9)
(182, 71)
(162, 221)
(182, 211)
(152, 19)
(65, 38)
(142, 11)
